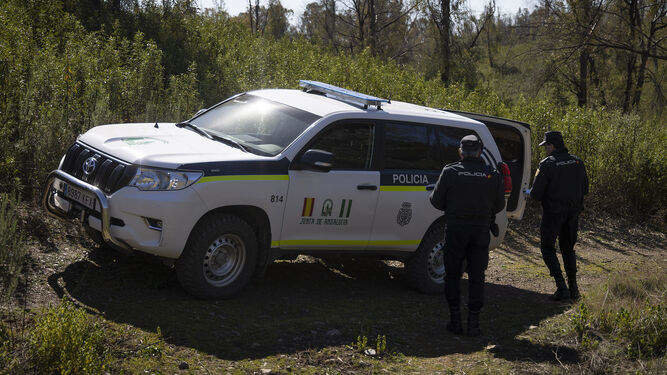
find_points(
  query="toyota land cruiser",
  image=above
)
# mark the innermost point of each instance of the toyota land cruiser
(270, 173)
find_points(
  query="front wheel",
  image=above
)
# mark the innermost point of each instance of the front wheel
(425, 271)
(219, 259)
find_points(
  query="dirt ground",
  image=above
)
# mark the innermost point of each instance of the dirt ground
(306, 315)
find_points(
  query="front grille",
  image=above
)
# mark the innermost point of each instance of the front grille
(109, 174)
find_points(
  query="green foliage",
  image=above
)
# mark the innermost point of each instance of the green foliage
(362, 343)
(66, 340)
(626, 314)
(381, 344)
(12, 249)
(59, 79)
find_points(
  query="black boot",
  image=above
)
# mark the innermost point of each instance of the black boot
(562, 293)
(574, 289)
(454, 325)
(473, 324)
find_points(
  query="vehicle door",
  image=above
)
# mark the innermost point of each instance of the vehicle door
(513, 141)
(335, 209)
(410, 161)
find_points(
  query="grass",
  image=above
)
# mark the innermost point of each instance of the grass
(12, 249)
(624, 318)
(316, 316)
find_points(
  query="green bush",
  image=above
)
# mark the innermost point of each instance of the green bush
(65, 340)
(12, 249)
(626, 314)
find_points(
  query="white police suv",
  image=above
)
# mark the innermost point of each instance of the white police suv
(272, 173)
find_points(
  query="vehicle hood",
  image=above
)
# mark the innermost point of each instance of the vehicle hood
(166, 146)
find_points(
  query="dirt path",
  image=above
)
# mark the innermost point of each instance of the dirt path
(307, 313)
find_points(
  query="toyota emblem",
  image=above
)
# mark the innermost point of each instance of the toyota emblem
(89, 166)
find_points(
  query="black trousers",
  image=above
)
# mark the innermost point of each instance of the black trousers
(471, 243)
(564, 226)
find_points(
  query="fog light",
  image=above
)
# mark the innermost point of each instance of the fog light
(153, 223)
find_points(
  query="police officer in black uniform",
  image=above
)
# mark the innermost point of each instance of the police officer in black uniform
(560, 184)
(470, 192)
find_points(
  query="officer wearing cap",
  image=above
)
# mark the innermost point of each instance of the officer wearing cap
(560, 185)
(469, 192)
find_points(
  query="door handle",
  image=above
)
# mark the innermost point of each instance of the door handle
(430, 187)
(366, 187)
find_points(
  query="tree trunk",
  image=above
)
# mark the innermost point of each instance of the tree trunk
(330, 21)
(250, 16)
(361, 20)
(582, 86)
(256, 16)
(584, 55)
(630, 69)
(640, 78)
(595, 80)
(445, 32)
(633, 21)
(373, 26)
(488, 48)
(646, 43)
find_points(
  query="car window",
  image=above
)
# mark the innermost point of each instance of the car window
(408, 146)
(257, 123)
(509, 142)
(350, 144)
(450, 139)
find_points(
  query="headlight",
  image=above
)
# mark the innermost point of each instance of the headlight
(163, 179)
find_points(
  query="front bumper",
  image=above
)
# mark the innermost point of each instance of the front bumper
(48, 202)
(121, 217)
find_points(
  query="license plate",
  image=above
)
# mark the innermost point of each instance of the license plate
(76, 194)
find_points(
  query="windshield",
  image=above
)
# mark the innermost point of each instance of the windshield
(258, 124)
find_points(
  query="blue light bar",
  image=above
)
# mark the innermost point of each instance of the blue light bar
(340, 93)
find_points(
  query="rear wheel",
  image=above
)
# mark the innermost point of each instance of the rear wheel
(425, 271)
(219, 258)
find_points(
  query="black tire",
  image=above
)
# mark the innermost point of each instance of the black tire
(201, 251)
(418, 272)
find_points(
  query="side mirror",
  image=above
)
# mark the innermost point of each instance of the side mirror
(317, 160)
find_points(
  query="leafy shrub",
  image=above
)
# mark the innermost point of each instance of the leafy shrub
(66, 340)
(381, 344)
(12, 250)
(626, 314)
(362, 343)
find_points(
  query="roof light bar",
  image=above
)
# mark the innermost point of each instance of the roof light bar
(342, 94)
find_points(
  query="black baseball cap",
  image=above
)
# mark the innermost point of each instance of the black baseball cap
(553, 137)
(471, 143)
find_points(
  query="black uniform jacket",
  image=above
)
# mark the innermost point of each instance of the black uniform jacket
(470, 192)
(560, 182)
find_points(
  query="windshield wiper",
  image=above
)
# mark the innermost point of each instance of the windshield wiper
(214, 137)
(194, 128)
(231, 141)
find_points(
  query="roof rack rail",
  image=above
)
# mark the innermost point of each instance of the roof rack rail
(342, 94)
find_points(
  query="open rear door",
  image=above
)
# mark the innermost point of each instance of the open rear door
(513, 141)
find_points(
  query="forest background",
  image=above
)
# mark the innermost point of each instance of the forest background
(593, 69)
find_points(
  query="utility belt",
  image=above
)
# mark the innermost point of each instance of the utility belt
(471, 217)
(491, 220)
